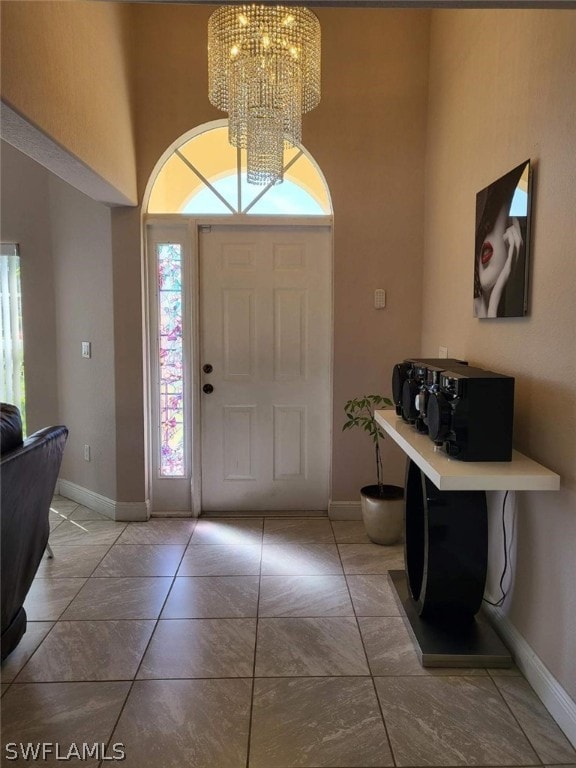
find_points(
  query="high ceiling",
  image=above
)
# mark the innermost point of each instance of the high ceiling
(551, 4)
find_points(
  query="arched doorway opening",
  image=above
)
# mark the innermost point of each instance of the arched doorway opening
(242, 275)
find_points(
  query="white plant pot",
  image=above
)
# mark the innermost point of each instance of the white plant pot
(383, 515)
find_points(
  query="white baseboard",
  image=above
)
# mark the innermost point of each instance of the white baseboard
(344, 510)
(551, 693)
(125, 511)
(183, 514)
(309, 513)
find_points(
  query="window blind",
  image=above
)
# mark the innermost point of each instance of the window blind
(11, 342)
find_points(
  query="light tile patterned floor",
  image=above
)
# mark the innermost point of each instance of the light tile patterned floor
(248, 643)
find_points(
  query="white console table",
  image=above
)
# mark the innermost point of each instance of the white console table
(446, 546)
(448, 474)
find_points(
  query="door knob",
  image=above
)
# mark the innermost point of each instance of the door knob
(207, 389)
(207, 368)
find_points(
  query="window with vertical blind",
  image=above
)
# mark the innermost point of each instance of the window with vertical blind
(11, 341)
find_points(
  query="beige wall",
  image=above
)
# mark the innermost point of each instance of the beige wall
(170, 92)
(67, 297)
(25, 219)
(368, 136)
(128, 362)
(502, 88)
(65, 69)
(82, 259)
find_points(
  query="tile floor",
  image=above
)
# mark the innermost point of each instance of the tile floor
(247, 643)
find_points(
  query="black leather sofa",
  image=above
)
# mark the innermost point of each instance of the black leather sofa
(28, 473)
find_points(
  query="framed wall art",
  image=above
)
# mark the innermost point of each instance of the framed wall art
(503, 245)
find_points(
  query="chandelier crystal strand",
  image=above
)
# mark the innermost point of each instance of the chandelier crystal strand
(264, 70)
(265, 151)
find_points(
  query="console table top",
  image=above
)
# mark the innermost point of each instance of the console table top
(449, 474)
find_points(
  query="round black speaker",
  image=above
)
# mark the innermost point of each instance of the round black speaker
(438, 415)
(409, 391)
(446, 551)
(398, 379)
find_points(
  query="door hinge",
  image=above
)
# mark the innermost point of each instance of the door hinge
(205, 228)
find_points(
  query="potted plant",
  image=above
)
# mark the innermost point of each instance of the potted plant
(382, 504)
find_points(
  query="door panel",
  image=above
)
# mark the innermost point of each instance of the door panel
(289, 442)
(239, 330)
(266, 330)
(290, 334)
(239, 434)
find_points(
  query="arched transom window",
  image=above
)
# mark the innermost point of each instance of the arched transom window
(204, 175)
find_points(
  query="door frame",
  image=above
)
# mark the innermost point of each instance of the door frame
(189, 226)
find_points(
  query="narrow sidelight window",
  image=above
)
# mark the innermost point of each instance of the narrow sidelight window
(170, 348)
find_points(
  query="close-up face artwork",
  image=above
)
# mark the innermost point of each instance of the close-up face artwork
(493, 251)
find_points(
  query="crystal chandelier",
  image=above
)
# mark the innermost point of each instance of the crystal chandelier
(264, 70)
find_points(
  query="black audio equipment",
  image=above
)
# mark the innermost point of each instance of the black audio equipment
(430, 383)
(470, 412)
(408, 378)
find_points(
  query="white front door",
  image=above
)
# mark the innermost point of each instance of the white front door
(265, 329)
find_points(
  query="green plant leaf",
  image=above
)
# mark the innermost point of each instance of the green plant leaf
(360, 413)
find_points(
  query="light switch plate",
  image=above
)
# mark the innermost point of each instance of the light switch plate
(86, 349)
(379, 298)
